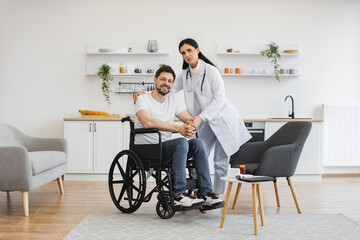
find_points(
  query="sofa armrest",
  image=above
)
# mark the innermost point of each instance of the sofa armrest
(248, 153)
(278, 161)
(15, 169)
(46, 144)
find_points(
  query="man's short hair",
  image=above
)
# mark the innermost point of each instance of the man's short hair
(165, 68)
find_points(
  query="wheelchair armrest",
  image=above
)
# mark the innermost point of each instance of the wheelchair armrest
(126, 119)
(147, 151)
(146, 130)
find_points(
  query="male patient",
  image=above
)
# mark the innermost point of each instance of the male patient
(157, 110)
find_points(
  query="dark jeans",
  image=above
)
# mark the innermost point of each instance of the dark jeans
(176, 152)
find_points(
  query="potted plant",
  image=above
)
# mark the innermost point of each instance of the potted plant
(105, 75)
(272, 52)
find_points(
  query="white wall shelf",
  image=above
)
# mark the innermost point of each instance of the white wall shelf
(258, 54)
(126, 74)
(254, 48)
(258, 75)
(247, 57)
(126, 53)
(117, 54)
(123, 47)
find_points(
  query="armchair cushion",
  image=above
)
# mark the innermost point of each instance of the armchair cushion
(44, 160)
(251, 168)
(248, 153)
(278, 161)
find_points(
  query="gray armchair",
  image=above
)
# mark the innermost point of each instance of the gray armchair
(27, 163)
(276, 157)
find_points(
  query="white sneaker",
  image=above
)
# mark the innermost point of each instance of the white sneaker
(186, 200)
(212, 200)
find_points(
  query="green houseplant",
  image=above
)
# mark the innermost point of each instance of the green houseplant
(105, 75)
(272, 52)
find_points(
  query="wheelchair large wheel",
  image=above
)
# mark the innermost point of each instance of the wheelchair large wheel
(164, 208)
(127, 182)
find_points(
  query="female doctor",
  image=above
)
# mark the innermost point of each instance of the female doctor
(216, 120)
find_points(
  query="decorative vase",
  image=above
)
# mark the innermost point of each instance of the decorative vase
(152, 46)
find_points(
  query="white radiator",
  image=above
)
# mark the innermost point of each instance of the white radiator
(341, 135)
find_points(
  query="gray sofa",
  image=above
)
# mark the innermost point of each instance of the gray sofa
(27, 163)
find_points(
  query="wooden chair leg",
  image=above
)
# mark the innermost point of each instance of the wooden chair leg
(25, 198)
(236, 195)
(293, 194)
(228, 191)
(8, 193)
(63, 179)
(276, 194)
(254, 209)
(261, 204)
(59, 180)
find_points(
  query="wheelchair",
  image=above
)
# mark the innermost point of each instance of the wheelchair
(130, 170)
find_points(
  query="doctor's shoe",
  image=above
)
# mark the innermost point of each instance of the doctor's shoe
(187, 200)
(212, 200)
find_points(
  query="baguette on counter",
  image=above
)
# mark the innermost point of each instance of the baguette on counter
(98, 115)
(90, 112)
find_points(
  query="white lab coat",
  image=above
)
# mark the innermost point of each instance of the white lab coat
(222, 117)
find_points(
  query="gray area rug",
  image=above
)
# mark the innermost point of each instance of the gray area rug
(207, 227)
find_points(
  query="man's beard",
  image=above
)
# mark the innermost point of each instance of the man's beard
(161, 92)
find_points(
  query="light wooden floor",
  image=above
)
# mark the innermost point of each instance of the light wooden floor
(52, 215)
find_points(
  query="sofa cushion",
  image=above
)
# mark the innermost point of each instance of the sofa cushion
(10, 136)
(44, 160)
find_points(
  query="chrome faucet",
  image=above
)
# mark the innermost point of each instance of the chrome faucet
(292, 114)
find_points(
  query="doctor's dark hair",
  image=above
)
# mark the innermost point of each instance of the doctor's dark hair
(193, 43)
(165, 68)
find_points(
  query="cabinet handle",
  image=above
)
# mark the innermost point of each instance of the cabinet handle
(94, 127)
(89, 127)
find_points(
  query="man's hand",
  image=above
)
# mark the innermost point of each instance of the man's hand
(196, 121)
(136, 96)
(187, 130)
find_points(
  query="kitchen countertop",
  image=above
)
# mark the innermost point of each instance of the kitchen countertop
(245, 119)
(282, 120)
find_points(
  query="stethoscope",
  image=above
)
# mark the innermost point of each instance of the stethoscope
(188, 73)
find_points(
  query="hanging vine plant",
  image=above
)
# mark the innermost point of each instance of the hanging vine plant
(272, 52)
(105, 75)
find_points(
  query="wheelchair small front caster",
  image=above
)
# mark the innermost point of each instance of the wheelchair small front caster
(164, 208)
(202, 210)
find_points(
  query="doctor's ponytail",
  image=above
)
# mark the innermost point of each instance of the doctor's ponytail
(193, 43)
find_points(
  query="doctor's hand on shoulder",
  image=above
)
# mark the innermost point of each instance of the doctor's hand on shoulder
(137, 95)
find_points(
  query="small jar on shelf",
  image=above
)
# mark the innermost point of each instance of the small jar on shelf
(123, 68)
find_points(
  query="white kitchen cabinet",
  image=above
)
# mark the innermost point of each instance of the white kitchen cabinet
(92, 145)
(79, 136)
(310, 161)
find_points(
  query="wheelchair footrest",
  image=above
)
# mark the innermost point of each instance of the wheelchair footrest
(216, 206)
(182, 208)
